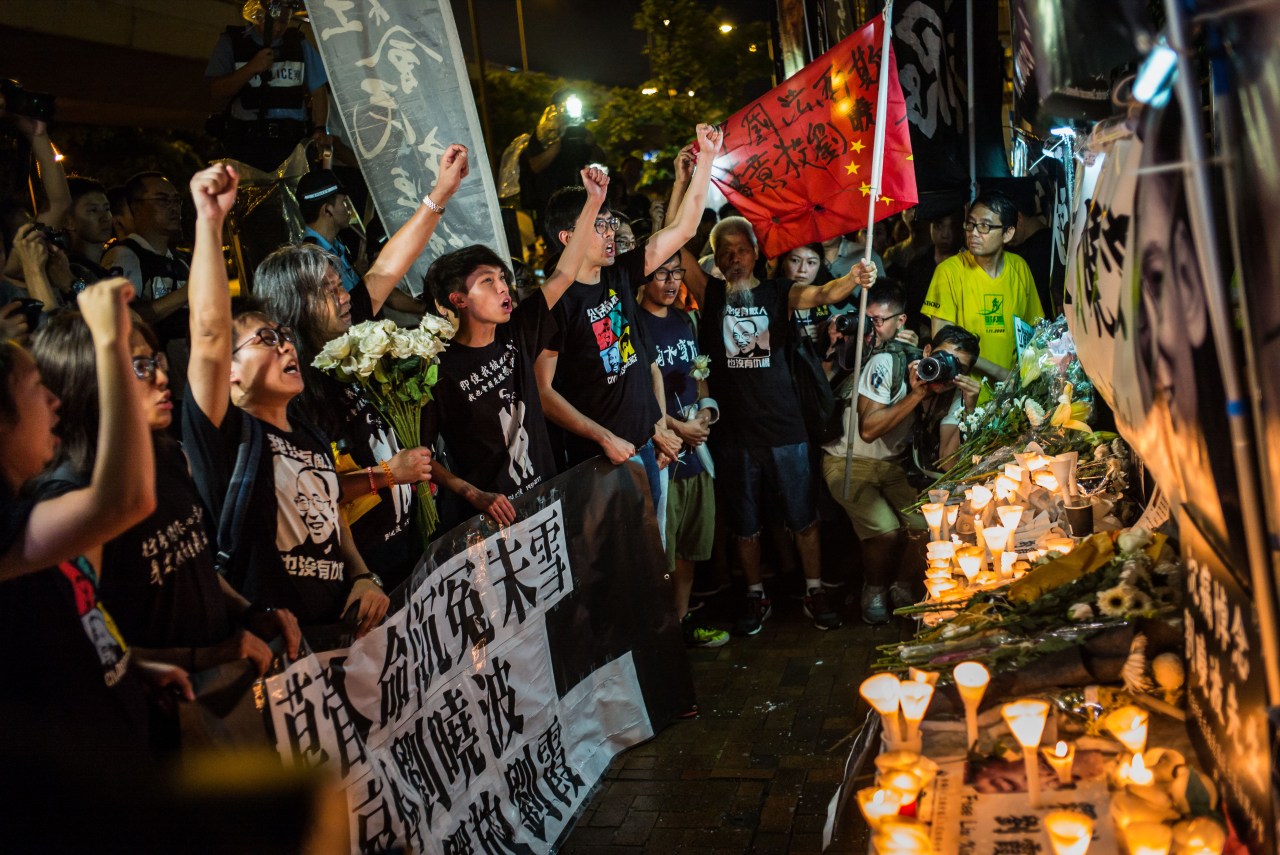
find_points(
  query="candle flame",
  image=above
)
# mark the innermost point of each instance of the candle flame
(1060, 750)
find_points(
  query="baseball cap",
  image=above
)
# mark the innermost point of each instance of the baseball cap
(320, 184)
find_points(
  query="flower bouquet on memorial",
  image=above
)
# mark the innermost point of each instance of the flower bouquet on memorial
(396, 369)
(1047, 399)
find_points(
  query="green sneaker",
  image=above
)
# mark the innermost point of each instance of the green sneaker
(702, 636)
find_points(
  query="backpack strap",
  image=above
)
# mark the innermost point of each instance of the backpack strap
(239, 491)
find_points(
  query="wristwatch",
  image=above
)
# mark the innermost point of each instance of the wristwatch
(371, 576)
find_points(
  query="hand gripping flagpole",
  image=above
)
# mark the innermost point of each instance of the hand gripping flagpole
(877, 167)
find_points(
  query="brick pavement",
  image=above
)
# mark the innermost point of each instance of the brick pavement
(754, 773)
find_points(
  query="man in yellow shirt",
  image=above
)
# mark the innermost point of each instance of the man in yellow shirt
(983, 288)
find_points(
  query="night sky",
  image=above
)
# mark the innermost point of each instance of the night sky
(577, 39)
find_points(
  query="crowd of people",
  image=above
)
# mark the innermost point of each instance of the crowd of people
(183, 488)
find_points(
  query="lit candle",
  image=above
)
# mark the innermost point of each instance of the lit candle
(1069, 831)
(902, 836)
(997, 537)
(939, 588)
(907, 785)
(1060, 545)
(916, 675)
(1047, 480)
(1129, 726)
(1007, 560)
(971, 681)
(1060, 759)
(1148, 838)
(1010, 516)
(953, 514)
(877, 804)
(938, 570)
(882, 692)
(1134, 771)
(914, 698)
(979, 498)
(970, 560)
(892, 761)
(940, 550)
(1026, 720)
(979, 534)
(1005, 487)
(1064, 468)
(933, 513)
(1199, 836)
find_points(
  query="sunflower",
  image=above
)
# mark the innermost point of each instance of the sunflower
(1137, 603)
(1112, 602)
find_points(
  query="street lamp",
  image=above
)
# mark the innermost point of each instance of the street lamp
(726, 28)
(649, 90)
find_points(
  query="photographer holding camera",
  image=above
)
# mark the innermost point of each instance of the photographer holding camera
(895, 388)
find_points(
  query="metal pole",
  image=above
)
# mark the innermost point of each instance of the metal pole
(1220, 318)
(972, 106)
(524, 48)
(484, 101)
(877, 167)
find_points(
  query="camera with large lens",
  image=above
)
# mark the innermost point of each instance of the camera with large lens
(23, 102)
(847, 323)
(941, 367)
(60, 238)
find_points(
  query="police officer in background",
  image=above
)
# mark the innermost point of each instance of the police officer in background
(266, 90)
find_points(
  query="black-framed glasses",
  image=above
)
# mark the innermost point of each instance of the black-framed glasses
(269, 336)
(145, 367)
(881, 321)
(662, 274)
(610, 224)
(981, 228)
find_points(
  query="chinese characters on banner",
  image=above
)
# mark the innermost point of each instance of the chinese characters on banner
(797, 162)
(475, 718)
(400, 84)
(1226, 692)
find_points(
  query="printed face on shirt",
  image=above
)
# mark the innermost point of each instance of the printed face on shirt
(315, 504)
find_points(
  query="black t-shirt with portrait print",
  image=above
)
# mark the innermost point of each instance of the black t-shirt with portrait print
(384, 534)
(487, 409)
(289, 553)
(158, 578)
(69, 685)
(750, 375)
(603, 367)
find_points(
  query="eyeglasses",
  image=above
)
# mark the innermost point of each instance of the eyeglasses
(145, 367)
(170, 201)
(270, 336)
(624, 244)
(981, 228)
(879, 322)
(609, 225)
(662, 274)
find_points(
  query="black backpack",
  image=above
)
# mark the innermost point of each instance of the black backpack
(823, 412)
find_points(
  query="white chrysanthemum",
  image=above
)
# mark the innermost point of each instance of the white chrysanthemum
(1112, 602)
(1133, 540)
(1035, 412)
(1080, 611)
(1169, 671)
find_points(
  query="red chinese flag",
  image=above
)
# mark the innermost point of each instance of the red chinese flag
(797, 162)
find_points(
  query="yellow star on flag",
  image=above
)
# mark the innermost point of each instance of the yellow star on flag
(911, 157)
(857, 146)
(865, 188)
(851, 168)
(885, 200)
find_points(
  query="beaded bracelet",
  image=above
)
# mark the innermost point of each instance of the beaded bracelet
(386, 467)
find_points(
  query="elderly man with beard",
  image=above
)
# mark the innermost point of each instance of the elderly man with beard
(762, 441)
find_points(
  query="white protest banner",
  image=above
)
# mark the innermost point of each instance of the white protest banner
(399, 81)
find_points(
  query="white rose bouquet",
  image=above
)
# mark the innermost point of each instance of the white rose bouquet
(396, 368)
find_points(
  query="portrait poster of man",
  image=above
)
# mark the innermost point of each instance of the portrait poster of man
(1178, 369)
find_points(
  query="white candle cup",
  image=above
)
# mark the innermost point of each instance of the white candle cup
(952, 516)
(1061, 758)
(914, 698)
(1007, 560)
(997, 536)
(1047, 480)
(971, 682)
(1148, 838)
(1060, 545)
(970, 561)
(876, 805)
(1026, 720)
(933, 513)
(1199, 836)
(882, 691)
(917, 675)
(1010, 516)
(980, 496)
(1006, 487)
(1013, 471)
(940, 550)
(1128, 725)
(1063, 467)
(980, 534)
(1070, 832)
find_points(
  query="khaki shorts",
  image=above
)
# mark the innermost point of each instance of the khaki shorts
(878, 492)
(691, 518)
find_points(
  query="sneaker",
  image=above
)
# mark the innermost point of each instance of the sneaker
(875, 605)
(702, 636)
(902, 596)
(758, 609)
(818, 610)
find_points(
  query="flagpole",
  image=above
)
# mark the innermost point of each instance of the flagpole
(877, 167)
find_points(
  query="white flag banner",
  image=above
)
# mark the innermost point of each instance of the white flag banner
(399, 82)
